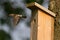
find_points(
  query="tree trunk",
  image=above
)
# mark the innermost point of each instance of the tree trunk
(55, 7)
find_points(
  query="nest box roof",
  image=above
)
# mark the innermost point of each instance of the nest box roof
(34, 4)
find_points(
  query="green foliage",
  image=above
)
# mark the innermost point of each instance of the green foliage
(28, 1)
(4, 35)
(9, 9)
(2, 21)
(38, 1)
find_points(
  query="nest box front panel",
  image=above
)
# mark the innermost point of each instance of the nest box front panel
(45, 26)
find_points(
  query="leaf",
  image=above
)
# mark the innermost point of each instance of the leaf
(38, 1)
(4, 35)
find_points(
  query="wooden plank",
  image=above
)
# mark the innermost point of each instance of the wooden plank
(34, 25)
(41, 7)
(45, 26)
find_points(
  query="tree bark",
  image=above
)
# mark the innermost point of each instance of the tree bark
(54, 6)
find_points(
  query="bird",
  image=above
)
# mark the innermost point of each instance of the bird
(16, 18)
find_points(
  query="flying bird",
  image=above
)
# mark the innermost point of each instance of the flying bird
(16, 18)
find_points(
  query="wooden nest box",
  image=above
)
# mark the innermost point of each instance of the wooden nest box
(42, 22)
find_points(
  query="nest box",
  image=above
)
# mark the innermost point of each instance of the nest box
(42, 22)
